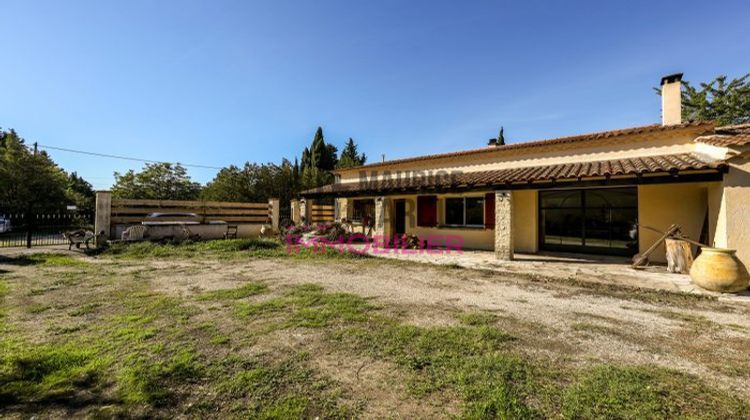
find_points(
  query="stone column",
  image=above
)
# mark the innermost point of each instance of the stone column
(103, 217)
(503, 225)
(273, 203)
(305, 207)
(342, 209)
(295, 211)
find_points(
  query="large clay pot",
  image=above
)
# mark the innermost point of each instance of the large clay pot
(718, 269)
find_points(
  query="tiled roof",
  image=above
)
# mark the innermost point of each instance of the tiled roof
(566, 171)
(728, 135)
(647, 129)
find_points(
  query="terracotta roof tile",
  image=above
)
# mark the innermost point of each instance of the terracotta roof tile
(581, 138)
(728, 135)
(577, 170)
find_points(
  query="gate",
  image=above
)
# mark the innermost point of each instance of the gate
(17, 230)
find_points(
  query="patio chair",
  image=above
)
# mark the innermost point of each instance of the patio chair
(134, 233)
(231, 232)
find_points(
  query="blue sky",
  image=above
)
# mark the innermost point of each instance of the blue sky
(224, 82)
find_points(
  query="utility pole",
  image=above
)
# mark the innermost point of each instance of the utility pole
(29, 217)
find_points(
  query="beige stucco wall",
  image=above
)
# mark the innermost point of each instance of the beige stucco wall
(731, 202)
(525, 221)
(659, 206)
(473, 238)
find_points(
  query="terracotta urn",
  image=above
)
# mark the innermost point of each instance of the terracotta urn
(719, 270)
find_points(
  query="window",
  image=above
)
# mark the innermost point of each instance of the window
(464, 211)
(599, 220)
(363, 209)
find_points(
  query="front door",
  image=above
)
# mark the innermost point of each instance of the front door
(597, 220)
(399, 225)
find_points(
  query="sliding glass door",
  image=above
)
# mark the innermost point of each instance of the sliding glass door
(600, 220)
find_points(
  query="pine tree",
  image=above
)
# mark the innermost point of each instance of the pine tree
(350, 156)
(501, 137)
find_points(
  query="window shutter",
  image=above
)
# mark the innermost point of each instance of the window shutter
(427, 210)
(489, 210)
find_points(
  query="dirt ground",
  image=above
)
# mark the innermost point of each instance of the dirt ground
(578, 322)
(598, 324)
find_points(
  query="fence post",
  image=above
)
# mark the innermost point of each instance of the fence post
(274, 204)
(295, 211)
(103, 216)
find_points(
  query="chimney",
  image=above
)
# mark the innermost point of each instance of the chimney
(671, 99)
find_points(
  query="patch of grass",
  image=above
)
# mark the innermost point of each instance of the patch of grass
(189, 248)
(284, 389)
(50, 260)
(478, 318)
(85, 309)
(246, 290)
(228, 249)
(309, 306)
(37, 373)
(69, 329)
(219, 340)
(146, 382)
(646, 392)
(595, 328)
(474, 361)
(694, 321)
(38, 308)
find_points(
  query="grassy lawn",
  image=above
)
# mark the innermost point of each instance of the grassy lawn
(98, 336)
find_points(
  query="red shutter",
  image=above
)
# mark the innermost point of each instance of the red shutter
(489, 210)
(426, 210)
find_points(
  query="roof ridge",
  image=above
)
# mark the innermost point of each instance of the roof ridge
(597, 135)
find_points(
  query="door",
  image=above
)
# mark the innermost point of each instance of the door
(597, 220)
(399, 225)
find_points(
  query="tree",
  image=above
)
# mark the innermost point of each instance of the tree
(80, 193)
(254, 183)
(317, 162)
(350, 157)
(501, 137)
(157, 181)
(30, 181)
(721, 101)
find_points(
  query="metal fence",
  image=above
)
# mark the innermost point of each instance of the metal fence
(24, 230)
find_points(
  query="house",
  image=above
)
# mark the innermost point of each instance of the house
(604, 193)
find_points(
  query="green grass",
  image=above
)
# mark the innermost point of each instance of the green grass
(246, 290)
(85, 309)
(477, 318)
(48, 259)
(227, 249)
(283, 389)
(309, 306)
(143, 381)
(635, 392)
(38, 373)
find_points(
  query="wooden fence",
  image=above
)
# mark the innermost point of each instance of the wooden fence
(113, 216)
(136, 211)
(320, 213)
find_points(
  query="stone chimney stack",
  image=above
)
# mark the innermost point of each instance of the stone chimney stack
(671, 99)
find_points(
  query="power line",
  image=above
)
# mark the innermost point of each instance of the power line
(124, 157)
